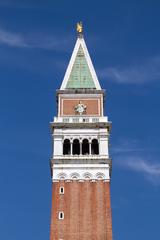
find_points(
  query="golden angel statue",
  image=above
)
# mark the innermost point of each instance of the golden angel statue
(79, 27)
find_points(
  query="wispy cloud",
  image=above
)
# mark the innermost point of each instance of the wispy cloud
(41, 41)
(126, 146)
(149, 169)
(12, 39)
(135, 74)
(141, 165)
(17, 50)
(130, 155)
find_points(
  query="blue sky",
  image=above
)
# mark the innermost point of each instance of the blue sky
(36, 41)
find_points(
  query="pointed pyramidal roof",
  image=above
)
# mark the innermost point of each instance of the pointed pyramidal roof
(80, 72)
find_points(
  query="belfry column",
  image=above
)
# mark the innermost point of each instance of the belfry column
(71, 146)
(80, 140)
(90, 149)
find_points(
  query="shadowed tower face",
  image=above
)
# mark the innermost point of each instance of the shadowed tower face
(80, 164)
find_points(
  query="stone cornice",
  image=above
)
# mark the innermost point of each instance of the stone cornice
(81, 125)
(81, 91)
(79, 160)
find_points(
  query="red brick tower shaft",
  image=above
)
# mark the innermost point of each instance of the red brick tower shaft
(87, 211)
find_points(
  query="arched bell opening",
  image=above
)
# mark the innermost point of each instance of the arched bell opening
(85, 147)
(95, 147)
(66, 147)
(76, 147)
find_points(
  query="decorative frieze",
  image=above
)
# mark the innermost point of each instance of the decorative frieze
(81, 172)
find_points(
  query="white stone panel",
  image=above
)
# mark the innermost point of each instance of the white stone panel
(103, 146)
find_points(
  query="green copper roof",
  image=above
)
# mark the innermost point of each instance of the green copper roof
(80, 76)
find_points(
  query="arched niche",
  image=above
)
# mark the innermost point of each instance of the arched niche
(66, 147)
(76, 147)
(95, 147)
(85, 146)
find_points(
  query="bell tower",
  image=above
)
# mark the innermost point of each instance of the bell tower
(80, 165)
